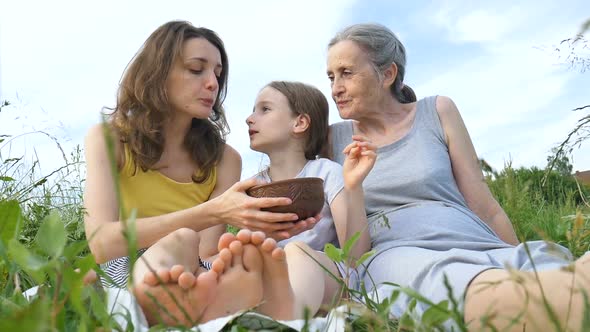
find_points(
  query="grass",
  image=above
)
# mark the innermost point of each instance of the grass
(42, 242)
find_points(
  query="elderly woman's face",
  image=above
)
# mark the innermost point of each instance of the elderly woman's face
(355, 85)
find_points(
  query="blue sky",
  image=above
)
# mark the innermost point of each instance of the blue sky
(60, 63)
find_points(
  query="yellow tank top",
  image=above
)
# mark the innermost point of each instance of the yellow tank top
(153, 194)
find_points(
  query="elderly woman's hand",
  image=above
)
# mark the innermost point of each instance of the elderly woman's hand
(361, 155)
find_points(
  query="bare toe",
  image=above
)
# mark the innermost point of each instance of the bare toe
(175, 272)
(221, 261)
(236, 249)
(269, 245)
(225, 240)
(208, 279)
(186, 280)
(150, 279)
(258, 238)
(226, 257)
(251, 259)
(279, 254)
(163, 275)
(245, 236)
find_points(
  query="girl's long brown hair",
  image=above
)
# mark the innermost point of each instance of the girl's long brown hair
(142, 104)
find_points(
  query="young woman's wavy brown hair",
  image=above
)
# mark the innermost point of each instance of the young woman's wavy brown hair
(142, 104)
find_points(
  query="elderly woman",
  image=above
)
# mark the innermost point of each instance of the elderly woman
(431, 214)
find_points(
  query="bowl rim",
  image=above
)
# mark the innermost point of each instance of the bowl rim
(279, 182)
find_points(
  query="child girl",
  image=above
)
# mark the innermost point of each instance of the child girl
(289, 124)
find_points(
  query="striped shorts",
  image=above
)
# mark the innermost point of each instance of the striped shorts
(118, 270)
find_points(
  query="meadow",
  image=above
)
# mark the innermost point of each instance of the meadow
(42, 242)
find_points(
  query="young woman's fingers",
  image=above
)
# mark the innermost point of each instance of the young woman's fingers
(244, 185)
(266, 202)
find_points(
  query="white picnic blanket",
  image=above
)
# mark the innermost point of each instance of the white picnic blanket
(122, 303)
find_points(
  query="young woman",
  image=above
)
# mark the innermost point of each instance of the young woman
(176, 174)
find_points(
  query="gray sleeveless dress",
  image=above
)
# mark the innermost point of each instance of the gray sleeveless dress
(419, 222)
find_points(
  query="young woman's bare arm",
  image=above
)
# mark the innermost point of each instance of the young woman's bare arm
(105, 233)
(229, 170)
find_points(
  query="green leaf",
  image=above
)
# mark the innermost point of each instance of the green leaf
(406, 323)
(394, 295)
(34, 317)
(24, 257)
(350, 243)
(73, 286)
(51, 237)
(436, 315)
(333, 253)
(9, 306)
(74, 249)
(10, 220)
(364, 257)
(6, 178)
(27, 260)
(412, 305)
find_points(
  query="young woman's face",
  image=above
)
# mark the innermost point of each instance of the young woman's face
(355, 85)
(271, 123)
(192, 84)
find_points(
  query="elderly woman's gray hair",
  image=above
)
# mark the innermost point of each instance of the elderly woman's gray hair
(383, 48)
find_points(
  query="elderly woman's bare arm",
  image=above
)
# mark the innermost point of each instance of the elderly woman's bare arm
(468, 174)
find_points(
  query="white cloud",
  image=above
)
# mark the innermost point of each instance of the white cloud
(505, 87)
(478, 25)
(64, 58)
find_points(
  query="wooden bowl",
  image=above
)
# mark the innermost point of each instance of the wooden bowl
(307, 195)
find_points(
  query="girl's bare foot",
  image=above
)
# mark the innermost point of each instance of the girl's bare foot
(240, 281)
(279, 299)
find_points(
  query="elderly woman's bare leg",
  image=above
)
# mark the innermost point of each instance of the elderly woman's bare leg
(518, 301)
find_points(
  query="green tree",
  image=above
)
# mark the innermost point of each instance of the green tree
(559, 162)
(577, 55)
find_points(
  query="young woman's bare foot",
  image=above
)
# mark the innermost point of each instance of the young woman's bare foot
(240, 281)
(225, 240)
(175, 297)
(279, 299)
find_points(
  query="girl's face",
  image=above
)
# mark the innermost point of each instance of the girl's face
(192, 84)
(355, 85)
(271, 123)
